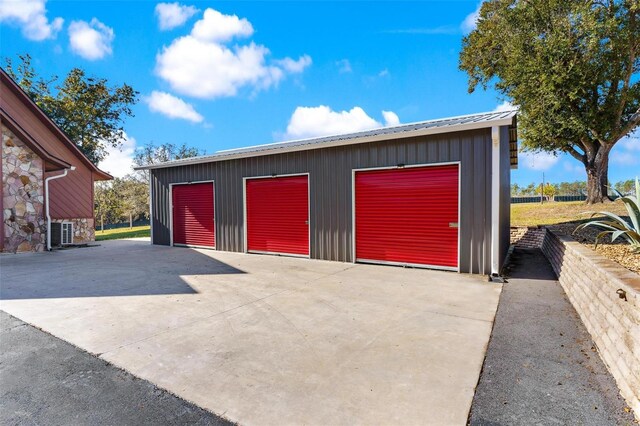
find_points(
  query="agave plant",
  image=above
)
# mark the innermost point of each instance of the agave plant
(617, 226)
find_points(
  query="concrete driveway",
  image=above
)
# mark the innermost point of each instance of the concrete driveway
(265, 339)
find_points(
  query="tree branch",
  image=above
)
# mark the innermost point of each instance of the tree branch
(576, 154)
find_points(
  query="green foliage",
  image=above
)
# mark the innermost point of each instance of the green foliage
(87, 109)
(571, 66)
(550, 190)
(154, 154)
(616, 225)
(625, 187)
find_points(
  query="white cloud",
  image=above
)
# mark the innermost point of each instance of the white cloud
(344, 66)
(173, 107)
(390, 118)
(172, 15)
(539, 161)
(200, 65)
(214, 26)
(308, 122)
(505, 106)
(383, 73)
(471, 20)
(627, 151)
(295, 67)
(91, 40)
(30, 16)
(119, 161)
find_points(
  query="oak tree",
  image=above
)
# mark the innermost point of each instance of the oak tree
(571, 66)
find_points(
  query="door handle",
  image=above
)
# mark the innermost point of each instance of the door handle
(453, 224)
(306, 222)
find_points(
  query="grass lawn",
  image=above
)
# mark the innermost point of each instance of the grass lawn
(118, 233)
(531, 214)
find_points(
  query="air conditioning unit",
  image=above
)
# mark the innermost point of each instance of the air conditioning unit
(61, 233)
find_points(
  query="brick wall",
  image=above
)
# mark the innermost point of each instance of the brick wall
(590, 282)
(527, 237)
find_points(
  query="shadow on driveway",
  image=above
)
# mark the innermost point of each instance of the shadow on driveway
(114, 268)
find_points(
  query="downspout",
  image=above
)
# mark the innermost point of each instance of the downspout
(46, 200)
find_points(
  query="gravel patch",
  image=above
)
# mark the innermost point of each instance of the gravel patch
(618, 251)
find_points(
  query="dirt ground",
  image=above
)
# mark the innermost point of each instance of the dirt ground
(565, 217)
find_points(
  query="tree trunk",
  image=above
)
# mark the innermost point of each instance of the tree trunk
(598, 176)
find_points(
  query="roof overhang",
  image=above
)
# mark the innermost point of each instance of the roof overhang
(51, 162)
(424, 128)
(44, 118)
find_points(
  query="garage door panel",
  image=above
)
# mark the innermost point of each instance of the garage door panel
(408, 216)
(278, 215)
(193, 214)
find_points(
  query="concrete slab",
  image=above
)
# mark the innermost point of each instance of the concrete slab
(266, 339)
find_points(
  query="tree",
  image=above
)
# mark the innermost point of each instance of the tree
(626, 187)
(107, 203)
(153, 154)
(550, 190)
(572, 68)
(87, 109)
(133, 195)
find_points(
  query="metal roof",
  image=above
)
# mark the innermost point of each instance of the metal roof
(442, 125)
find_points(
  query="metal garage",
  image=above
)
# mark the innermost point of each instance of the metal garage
(441, 200)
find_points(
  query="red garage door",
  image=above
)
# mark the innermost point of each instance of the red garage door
(408, 216)
(278, 215)
(193, 215)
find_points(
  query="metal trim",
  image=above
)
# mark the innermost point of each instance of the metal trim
(215, 223)
(194, 246)
(408, 166)
(495, 199)
(342, 140)
(408, 265)
(244, 212)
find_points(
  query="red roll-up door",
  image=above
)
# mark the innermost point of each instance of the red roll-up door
(278, 215)
(408, 216)
(193, 215)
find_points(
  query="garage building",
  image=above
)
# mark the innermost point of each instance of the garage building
(430, 194)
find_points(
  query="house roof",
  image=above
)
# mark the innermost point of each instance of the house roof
(430, 127)
(51, 162)
(17, 90)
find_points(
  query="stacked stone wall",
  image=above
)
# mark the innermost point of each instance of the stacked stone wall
(607, 299)
(22, 196)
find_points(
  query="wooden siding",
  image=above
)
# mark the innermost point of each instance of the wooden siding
(330, 180)
(71, 196)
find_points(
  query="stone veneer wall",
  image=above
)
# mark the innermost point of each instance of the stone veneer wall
(83, 229)
(23, 196)
(591, 283)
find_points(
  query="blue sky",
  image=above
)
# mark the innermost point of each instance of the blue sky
(221, 75)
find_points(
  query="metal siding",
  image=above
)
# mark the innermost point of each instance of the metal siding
(505, 194)
(330, 190)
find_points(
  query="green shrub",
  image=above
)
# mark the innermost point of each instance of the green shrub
(617, 226)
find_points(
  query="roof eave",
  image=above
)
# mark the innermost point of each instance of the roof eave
(505, 121)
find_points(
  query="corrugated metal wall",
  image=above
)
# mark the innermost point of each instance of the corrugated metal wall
(330, 180)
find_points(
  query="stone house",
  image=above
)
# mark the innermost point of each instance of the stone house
(45, 178)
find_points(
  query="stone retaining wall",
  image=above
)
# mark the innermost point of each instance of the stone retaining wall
(527, 237)
(592, 284)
